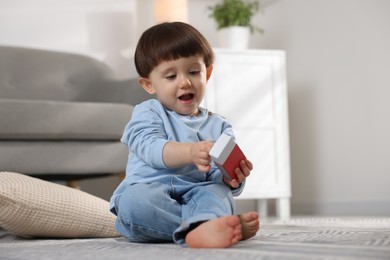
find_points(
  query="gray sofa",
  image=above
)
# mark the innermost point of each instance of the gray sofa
(62, 114)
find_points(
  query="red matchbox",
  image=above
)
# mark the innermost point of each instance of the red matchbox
(227, 155)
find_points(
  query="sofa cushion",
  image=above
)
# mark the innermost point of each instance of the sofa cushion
(27, 73)
(57, 120)
(33, 207)
(70, 158)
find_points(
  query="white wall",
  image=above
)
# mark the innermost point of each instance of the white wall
(338, 60)
(99, 28)
(339, 90)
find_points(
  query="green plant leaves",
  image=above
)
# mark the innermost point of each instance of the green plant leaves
(234, 13)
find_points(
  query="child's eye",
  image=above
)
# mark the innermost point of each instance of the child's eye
(171, 77)
(194, 72)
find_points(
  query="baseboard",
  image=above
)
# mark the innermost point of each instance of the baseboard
(369, 208)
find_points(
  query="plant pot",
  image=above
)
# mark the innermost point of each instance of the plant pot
(234, 37)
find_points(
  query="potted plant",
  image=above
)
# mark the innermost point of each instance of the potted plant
(233, 18)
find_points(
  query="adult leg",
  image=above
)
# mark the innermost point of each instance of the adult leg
(147, 213)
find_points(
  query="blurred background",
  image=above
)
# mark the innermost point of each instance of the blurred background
(338, 74)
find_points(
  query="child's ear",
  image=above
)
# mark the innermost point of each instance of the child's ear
(209, 70)
(147, 85)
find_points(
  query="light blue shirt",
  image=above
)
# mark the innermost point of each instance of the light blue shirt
(151, 127)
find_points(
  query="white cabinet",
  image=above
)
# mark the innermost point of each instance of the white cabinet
(248, 87)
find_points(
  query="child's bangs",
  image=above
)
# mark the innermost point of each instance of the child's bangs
(167, 42)
(175, 48)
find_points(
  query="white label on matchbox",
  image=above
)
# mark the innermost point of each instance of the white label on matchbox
(227, 155)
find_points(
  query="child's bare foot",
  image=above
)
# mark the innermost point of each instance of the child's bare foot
(250, 224)
(218, 233)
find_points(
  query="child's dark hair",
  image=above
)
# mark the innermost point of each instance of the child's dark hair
(170, 41)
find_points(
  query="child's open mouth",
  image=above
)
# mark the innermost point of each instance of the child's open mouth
(187, 97)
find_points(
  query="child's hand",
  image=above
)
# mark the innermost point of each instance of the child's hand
(242, 172)
(200, 155)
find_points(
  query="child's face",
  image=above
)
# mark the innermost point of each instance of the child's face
(179, 84)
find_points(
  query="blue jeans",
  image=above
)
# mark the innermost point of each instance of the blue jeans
(158, 212)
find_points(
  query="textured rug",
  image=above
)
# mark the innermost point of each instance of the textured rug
(298, 238)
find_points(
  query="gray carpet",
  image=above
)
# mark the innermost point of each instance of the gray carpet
(299, 238)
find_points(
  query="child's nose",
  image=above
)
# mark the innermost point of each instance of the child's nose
(185, 83)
